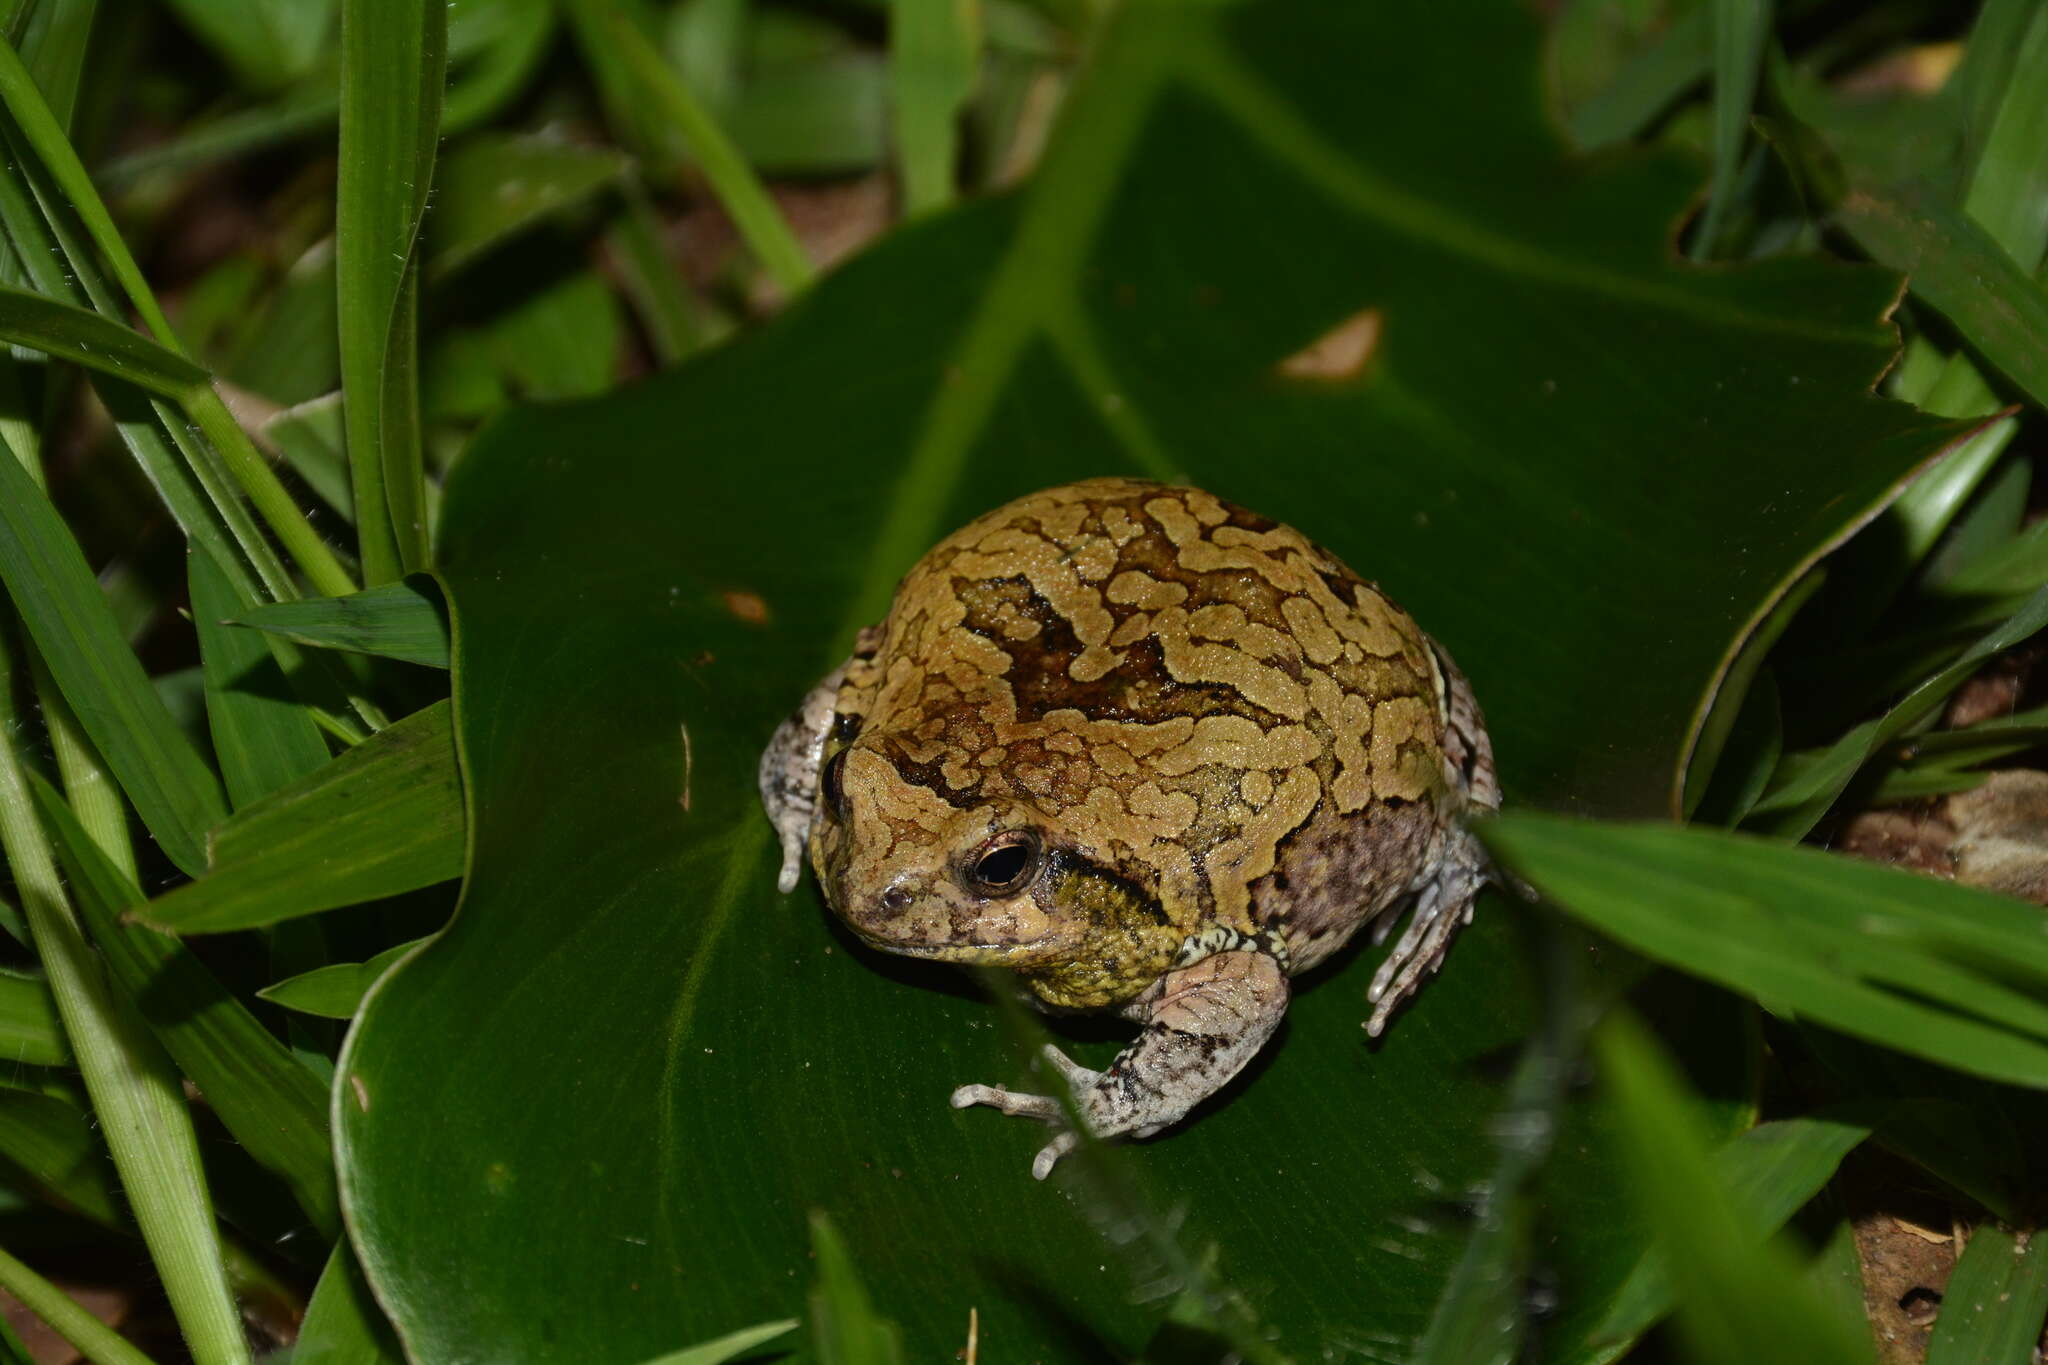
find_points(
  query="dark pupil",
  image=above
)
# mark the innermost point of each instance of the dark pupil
(828, 783)
(1000, 867)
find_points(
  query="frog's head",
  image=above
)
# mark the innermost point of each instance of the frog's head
(911, 873)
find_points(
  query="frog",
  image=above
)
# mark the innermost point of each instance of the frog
(1156, 755)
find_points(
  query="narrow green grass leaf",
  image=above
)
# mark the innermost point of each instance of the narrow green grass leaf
(59, 163)
(29, 1031)
(602, 26)
(52, 37)
(1925, 967)
(1740, 28)
(343, 1324)
(731, 1346)
(265, 1097)
(45, 133)
(493, 186)
(262, 737)
(196, 490)
(1997, 1295)
(1738, 1303)
(77, 636)
(69, 1319)
(134, 1088)
(1960, 270)
(1798, 802)
(845, 1328)
(54, 1143)
(393, 66)
(403, 620)
(2008, 194)
(98, 343)
(1768, 1174)
(1648, 84)
(934, 56)
(335, 991)
(384, 817)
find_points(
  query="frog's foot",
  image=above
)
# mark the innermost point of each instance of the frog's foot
(1045, 1108)
(789, 775)
(1203, 1022)
(1441, 904)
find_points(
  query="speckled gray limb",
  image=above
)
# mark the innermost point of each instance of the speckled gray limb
(1202, 1024)
(1459, 865)
(789, 774)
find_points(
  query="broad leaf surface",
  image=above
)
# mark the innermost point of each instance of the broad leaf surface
(587, 1124)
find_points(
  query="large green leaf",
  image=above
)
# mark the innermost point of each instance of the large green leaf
(587, 1123)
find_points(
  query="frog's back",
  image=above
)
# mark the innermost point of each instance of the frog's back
(1238, 718)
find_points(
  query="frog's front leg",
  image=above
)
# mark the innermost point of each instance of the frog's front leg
(789, 774)
(1202, 1024)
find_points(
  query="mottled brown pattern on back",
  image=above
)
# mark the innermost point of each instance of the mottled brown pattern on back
(1197, 695)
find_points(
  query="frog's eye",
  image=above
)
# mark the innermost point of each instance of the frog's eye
(829, 784)
(1004, 865)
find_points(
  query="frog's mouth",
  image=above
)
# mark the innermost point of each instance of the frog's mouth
(946, 926)
(1029, 954)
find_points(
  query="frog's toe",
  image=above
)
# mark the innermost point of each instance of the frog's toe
(1079, 1078)
(1048, 1156)
(1042, 1107)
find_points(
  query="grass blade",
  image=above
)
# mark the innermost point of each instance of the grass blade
(29, 1032)
(85, 338)
(1768, 1173)
(393, 66)
(1992, 1310)
(731, 1346)
(1740, 28)
(1648, 84)
(934, 57)
(263, 1094)
(845, 1328)
(95, 1340)
(2009, 183)
(262, 737)
(75, 632)
(1738, 1303)
(1914, 964)
(45, 135)
(1798, 802)
(403, 620)
(384, 817)
(603, 28)
(134, 1088)
(337, 990)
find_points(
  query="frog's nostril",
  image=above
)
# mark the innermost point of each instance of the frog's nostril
(895, 900)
